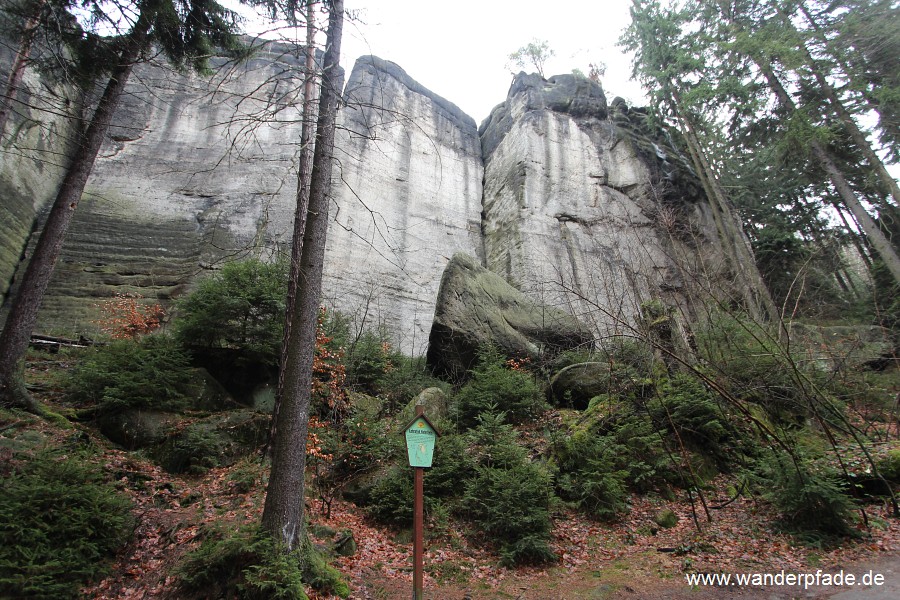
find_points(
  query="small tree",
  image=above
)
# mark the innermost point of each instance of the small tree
(240, 306)
(534, 54)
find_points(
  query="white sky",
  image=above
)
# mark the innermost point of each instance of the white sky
(460, 49)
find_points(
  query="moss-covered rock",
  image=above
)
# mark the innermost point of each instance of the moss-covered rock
(135, 428)
(477, 308)
(217, 440)
(666, 518)
(433, 399)
(575, 385)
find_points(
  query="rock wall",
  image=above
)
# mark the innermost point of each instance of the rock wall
(33, 156)
(408, 198)
(575, 203)
(584, 211)
(190, 177)
(184, 180)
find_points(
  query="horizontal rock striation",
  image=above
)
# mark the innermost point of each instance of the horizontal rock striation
(575, 202)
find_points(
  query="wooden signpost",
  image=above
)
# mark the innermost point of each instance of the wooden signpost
(420, 437)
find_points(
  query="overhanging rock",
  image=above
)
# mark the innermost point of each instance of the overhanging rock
(476, 307)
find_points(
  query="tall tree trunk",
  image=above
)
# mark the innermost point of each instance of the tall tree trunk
(756, 295)
(17, 71)
(24, 307)
(283, 513)
(870, 228)
(847, 120)
(302, 202)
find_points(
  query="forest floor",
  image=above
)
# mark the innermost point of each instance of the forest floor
(596, 560)
(631, 559)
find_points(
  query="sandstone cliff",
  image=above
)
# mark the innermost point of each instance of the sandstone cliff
(585, 209)
(574, 203)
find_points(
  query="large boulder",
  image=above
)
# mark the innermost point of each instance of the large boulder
(476, 308)
(434, 400)
(217, 440)
(575, 385)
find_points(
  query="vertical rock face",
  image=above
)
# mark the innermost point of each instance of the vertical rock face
(195, 172)
(187, 178)
(582, 212)
(33, 156)
(576, 203)
(408, 198)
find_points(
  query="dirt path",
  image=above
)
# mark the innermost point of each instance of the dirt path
(640, 582)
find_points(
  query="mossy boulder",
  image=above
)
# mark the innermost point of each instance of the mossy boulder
(477, 308)
(135, 428)
(575, 385)
(666, 518)
(214, 441)
(433, 399)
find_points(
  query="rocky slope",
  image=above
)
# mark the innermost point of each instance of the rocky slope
(575, 203)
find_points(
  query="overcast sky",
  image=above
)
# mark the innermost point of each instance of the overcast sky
(460, 49)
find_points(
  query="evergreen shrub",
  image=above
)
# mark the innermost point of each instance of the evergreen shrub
(241, 306)
(390, 501)
(248, 564)
(508, 498)
(60, 524)
(148, 373)
(685, 406)
(591, 474)
(496, 387)
(811, 497)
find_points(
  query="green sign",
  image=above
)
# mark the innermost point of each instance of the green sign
(420, 436)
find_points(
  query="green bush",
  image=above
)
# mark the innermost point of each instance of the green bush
(405, 380)
(687, 408)
(591, 475)
(248, 564)
(810, 497)
(148, 373)
(495, 387)
(241, 306)
(368, 360)
(453, 464)
(390, 500)
(508, 498)
(60, 523)
(196, 450)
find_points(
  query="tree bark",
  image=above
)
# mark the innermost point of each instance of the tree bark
(24, 307)
(756, 295)
(283, 512)
(302, 202)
